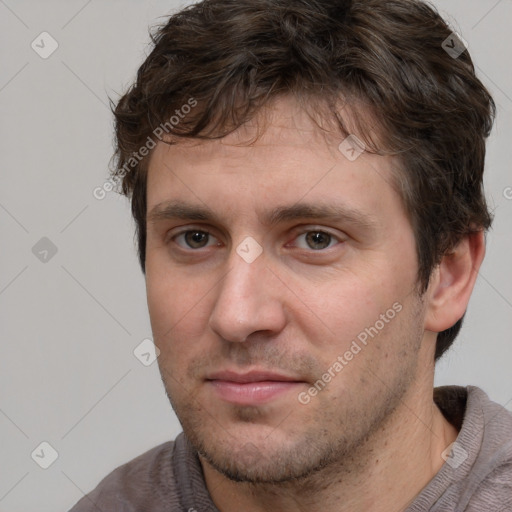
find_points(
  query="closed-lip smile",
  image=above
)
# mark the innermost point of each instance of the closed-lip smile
(251, 388)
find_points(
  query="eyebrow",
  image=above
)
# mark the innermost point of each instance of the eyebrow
(178, 210)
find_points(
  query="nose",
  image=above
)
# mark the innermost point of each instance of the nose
(249, 300)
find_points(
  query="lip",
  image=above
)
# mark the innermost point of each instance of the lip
(252, 376)
(251, 388)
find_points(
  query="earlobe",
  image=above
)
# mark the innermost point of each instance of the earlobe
(453, 281)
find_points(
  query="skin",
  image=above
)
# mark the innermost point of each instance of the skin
(294, 310)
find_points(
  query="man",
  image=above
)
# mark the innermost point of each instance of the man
(306, 179)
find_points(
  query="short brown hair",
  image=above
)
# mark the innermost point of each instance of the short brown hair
(232, 57)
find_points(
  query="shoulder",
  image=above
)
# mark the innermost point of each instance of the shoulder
(143, 483)
(495, 491)
(479, 478)
(490, 480)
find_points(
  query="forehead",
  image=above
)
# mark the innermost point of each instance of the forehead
(288, 121)
(282, 153)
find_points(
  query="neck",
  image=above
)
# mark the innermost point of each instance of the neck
(406, 449)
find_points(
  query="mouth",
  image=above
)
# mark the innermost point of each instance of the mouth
(251, 388)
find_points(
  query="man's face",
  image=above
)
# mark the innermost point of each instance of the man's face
(266, 265)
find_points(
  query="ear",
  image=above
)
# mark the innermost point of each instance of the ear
(452, 282)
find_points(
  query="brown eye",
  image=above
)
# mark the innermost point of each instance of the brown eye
(316, 240)
(196, 239)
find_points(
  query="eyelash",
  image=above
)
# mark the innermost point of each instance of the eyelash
(333, 238)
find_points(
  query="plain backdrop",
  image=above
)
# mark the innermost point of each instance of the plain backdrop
(72, 296)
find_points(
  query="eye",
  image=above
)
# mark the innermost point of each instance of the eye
(316, 240)
(195, 239)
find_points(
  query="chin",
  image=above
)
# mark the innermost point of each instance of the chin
(261, 462)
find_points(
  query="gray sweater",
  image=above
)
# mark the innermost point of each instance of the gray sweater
(476, 477)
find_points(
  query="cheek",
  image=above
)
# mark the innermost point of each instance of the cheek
(167, 295)
(341, 307)
(348, 311)
(178, 314)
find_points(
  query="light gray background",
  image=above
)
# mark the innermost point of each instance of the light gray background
(68, 375)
